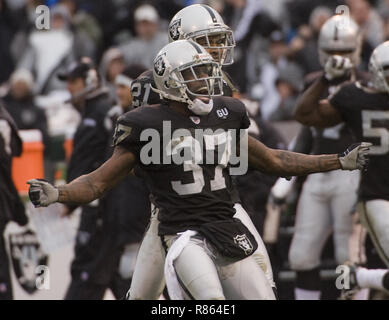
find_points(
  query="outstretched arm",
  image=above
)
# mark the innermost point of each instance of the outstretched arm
(287, 163)
(85, 188)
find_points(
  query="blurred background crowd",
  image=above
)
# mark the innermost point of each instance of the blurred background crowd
(276, 42)
(276, 47)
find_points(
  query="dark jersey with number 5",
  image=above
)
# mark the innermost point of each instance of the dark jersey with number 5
(367, 114)
(195, 186)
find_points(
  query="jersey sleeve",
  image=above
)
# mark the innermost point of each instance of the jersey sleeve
(127, 134)
(341, 99)
(245, 120)
(141, 90)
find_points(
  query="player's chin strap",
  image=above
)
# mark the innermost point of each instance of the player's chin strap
(197, 106)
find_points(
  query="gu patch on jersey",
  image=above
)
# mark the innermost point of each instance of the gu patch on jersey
(27, 255)
(222, 113)
(244, 243)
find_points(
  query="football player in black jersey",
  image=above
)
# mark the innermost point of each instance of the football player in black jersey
(365, 109)
(203, 240)
(327, 199)
(205, 26)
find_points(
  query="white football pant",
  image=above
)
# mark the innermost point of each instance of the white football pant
(148, 279)
(374, 216)
(207, 275)
(326, 204)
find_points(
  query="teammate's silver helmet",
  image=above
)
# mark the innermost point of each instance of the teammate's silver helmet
(205, 26)
(183, 62)
(379, 67)
(340, 35)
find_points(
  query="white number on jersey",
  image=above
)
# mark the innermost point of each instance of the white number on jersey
(369, 132)
(211, 141)
(136, 90)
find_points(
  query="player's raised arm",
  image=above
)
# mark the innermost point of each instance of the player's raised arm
(310, 109)
(287, 163)
(85, 188)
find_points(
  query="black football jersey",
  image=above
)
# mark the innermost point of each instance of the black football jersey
(187, 193)
(367, 114)
(142, 94)
(337, 138)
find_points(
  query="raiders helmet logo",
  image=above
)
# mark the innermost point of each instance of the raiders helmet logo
(159, 66)
(244, 243)
(173, 29)
(27, 255)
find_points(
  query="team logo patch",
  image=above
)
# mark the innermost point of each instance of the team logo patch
(196, 120)
(159, 66)
(173, 29)
(27, 255)
(244, 243)
(222, 113)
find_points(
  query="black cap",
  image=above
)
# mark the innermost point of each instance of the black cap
(75, 70)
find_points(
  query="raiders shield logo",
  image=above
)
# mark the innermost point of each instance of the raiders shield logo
(244, 243)
(173, 29)
(26, 256)
(159, 66)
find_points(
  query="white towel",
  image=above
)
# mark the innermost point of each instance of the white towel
(173, 286)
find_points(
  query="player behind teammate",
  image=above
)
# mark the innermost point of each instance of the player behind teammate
(365, 110)
(194, 199)
(205, 26)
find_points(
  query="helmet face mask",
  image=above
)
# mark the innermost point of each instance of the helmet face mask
(219, 44)
(201, 79)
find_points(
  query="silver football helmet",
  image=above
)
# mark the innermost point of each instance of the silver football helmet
(184, 70)
(379, 67)
(340, 35)
(204, 25)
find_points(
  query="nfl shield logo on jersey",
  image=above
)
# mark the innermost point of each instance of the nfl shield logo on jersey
(173, 29)
(196, 120)
(26, 255)
(244, 243)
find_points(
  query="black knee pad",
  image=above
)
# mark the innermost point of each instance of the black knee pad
(308, 279)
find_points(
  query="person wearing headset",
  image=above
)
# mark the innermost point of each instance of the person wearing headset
(90, 149)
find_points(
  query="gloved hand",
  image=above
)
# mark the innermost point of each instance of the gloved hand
(355, 157)
(336, 67)
(42, 193)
